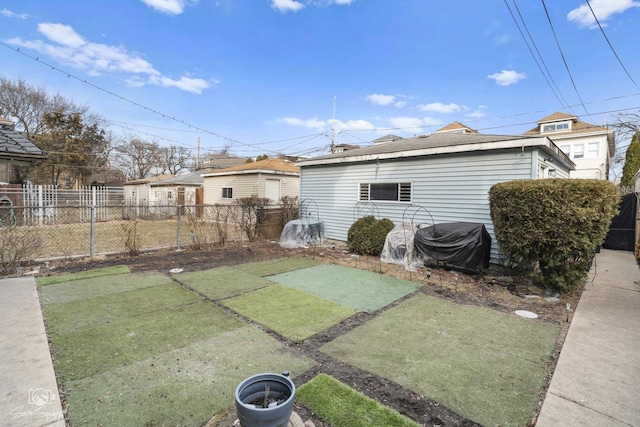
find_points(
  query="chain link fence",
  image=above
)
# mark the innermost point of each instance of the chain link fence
(58, 232)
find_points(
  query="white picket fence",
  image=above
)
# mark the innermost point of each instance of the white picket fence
(43, 202)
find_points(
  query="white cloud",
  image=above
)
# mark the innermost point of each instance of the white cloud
(397, 101)
(439, 107)
(603, 9)
(68, 47)
(502, 39)
(61, 34)
(413, 123)
(321, 125)
(187, 84)
(287, 5)
(380, 99)
(170, 7)
(10, 14)
(353, 125)
(507, 77)
(307, 123)
(296, 5)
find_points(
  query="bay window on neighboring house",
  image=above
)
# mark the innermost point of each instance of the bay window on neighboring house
(385, 192)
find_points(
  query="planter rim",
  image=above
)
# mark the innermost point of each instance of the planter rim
(268, 376)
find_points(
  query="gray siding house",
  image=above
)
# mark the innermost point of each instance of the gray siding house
(449, 174)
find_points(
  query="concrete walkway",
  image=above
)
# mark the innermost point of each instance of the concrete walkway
(597, 379)
(28, 389)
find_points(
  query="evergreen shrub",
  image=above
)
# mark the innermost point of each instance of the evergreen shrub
(553, 225)
(366, 236)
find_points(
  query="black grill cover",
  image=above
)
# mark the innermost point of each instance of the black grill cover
(462, 244)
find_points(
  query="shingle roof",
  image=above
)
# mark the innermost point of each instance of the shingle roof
(557, 116)
(438, 143)
(576, 127)
(222, 162)
(15, 146)
(420, 142)
(456, 126)
(149, 180)
(193, 179)
(273, 165)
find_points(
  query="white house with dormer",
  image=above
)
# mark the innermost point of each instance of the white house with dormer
(589, 146)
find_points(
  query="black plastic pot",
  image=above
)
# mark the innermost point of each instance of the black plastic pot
(265, 400)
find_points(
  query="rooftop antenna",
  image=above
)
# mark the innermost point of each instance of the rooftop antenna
(333, 121)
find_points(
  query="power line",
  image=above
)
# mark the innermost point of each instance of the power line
(135, 104)
(610, 45)
(562, 101)
(566, 66)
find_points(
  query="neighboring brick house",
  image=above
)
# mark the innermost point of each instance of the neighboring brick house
(589, 146)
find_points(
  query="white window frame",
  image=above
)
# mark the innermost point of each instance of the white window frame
(555, 127)
(578, 154)
(404, 192)
(227, 196)
(590, 152)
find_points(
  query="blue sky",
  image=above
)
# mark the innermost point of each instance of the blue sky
(260, 76)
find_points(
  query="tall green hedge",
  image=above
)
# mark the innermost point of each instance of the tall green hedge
(366, 236)
(553, 224)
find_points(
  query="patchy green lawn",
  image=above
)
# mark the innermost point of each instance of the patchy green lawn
(276, 266)
(487, 366)
(222, 282)
(142, 350)
(88, 274)
(342, 406)
(361, 290)
(291, 313)
(139, 349)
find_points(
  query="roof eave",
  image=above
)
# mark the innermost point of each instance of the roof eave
(543, 141)
(250, 172)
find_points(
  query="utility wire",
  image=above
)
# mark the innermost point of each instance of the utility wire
(557, 94)
(610, 45)
(134, 103)
(566, 66)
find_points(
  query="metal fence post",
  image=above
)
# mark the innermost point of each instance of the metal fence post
(242, 225)
(93, 230)
(179, 216)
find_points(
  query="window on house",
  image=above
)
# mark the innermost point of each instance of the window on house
(556, 127)
(566, 149)
(227, 193)
(388, 191)
(169, 195)
(593, 150)
(578, 151)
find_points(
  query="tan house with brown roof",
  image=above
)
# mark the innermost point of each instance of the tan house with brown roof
(270, 178)
(456, 127)
(589, 146)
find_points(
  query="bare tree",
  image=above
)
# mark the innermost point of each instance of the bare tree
(173, 159)
(28, 104)
(137, 158)
(626, 126)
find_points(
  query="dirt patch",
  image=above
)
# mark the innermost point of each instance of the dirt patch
(499, 289)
